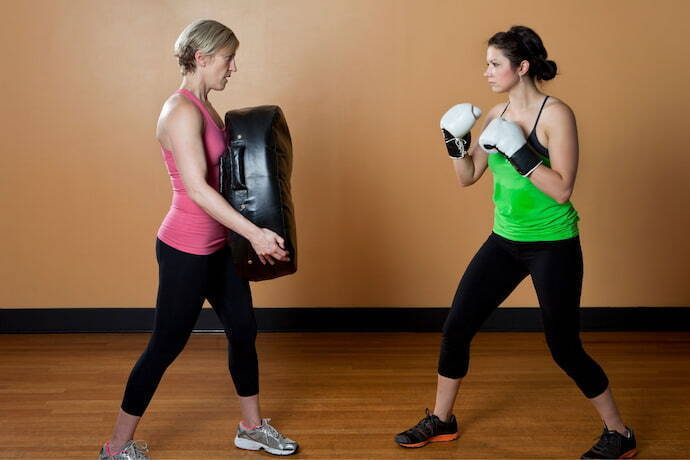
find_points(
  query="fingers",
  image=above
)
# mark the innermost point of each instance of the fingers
(276, 238)
(277, 255)
(279, 251)
(274, 249)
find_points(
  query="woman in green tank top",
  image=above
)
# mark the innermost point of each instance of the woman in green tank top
(530, 145)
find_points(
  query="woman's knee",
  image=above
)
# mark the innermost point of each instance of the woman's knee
(242, 337)
(580, 367)
(454, 357)
(164, 348)
(568, 357)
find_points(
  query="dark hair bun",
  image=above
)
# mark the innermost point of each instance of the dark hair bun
(521, 43)
(544, 69)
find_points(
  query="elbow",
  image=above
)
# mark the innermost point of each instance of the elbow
(564, 196)
(196, 194)
(465, 182)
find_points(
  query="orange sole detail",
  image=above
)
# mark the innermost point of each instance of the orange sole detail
(439, 438)
(629, 454)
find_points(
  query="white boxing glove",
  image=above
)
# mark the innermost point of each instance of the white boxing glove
(456, 124)
(506, 137)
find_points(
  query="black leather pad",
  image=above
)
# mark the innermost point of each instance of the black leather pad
(255, 179)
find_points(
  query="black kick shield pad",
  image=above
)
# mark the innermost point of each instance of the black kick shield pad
(255, 179)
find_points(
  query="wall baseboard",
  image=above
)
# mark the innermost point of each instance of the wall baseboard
(327, 319)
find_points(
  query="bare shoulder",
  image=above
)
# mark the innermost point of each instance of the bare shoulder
(178, 116)
(557, 111)
(179, 109)
(493, 113)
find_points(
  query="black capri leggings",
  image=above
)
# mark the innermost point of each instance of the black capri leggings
(185, 280)
(494, 272)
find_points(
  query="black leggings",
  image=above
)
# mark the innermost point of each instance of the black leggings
(185, 280)
(494, 272)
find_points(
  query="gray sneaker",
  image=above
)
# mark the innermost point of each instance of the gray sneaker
(265, 437)
(133, 450)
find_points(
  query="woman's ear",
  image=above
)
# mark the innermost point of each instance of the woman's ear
(200, 58)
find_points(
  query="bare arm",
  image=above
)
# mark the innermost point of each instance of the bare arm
(183, 127)
(558, 180)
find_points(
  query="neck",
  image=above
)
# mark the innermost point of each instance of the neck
(193, 83)
(525, 95)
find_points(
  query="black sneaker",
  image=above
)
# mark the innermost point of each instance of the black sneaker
(429, 429)
(612, 444)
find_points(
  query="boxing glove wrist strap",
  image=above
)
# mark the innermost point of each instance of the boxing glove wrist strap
(457, 148)
(524, 160)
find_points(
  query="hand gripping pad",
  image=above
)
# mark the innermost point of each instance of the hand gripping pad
(255, 179)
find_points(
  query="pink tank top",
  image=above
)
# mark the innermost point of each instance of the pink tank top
(187, 227)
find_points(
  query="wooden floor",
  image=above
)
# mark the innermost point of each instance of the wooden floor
(341, 395)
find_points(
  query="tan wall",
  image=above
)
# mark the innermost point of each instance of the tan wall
(381, 221)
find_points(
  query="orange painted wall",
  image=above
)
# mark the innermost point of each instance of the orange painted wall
(381, 221)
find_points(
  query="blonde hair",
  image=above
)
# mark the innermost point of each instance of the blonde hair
(205, 35)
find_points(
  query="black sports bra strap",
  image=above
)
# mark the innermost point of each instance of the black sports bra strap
(539, 114)
(504, 110)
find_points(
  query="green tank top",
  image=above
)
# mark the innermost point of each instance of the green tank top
(525, 213)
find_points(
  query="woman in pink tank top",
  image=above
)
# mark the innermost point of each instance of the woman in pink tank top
(194, 262)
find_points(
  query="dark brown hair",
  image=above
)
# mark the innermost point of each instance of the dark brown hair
(521, 43)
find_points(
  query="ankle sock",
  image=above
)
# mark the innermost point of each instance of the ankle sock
(110, 452)
(246, 427)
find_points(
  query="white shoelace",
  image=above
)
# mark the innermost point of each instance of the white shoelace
(272, 431)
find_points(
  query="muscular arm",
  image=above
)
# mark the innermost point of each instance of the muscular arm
(558, 180)
(183, 128)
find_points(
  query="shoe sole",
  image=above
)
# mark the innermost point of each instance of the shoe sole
(253, 445)
(629, 454)
(439, 438)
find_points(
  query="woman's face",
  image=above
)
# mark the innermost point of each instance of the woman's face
(499, 71)
(220, 67)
